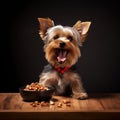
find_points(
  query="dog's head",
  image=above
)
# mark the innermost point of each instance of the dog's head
(61, 43)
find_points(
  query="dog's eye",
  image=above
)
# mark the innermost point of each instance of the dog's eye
(70, 38)
(55, 37)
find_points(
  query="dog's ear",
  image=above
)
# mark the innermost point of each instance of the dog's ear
(82, 28)
(45, 23)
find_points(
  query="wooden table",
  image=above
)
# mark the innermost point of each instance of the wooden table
(98, 106)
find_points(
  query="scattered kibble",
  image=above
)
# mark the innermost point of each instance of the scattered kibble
(44, 104)
(34, 104)
(52, 102)
(68, 104)
(66, 101)
(37, 102)
(59, 104)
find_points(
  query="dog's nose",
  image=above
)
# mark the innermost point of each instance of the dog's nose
(62, 45)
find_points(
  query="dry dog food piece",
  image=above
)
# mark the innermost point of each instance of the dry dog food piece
(44, 104)
(59, 104)
(35, 87)
(66, 101)
(68, 104)
(52, 102)
(35, 103)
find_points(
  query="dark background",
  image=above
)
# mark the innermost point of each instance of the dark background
(22, 57)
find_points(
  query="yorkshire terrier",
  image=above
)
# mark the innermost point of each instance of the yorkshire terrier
(62, 50)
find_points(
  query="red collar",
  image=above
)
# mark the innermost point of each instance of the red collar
(62, 70)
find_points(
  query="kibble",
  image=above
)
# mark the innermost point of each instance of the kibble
(68, 104)
(33, 104)
(35, 87)
(66, 101)
(44, 104)
(52, 102)
(36, 102)
(59, 104)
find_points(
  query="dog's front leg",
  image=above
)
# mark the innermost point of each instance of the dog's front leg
(77, 88)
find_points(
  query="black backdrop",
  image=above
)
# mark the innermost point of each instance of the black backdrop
(22, 57)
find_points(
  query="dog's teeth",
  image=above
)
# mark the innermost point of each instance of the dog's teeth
(64, 53)
(60, 54)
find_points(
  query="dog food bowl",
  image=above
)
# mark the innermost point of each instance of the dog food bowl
(34, 95)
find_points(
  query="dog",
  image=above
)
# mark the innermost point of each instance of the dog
(62, 51)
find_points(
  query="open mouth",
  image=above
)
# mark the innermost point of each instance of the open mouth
(61, 55)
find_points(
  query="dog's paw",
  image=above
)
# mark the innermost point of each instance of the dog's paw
(80, 96)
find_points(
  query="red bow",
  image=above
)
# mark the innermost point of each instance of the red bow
(62, 70)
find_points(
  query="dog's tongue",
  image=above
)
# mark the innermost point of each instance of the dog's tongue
(61, 55)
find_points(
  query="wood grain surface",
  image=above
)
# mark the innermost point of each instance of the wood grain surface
(97, 106)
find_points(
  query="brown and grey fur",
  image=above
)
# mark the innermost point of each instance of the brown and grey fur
(68, 83)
